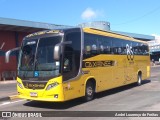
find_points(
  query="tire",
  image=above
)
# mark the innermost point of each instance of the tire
(89, 91)
(139, 79)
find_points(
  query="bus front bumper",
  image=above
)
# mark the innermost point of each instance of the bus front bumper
(47, 99)
(54, 93)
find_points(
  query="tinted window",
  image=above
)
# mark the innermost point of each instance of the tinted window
(71, 60)
(118, 46)
(140, 48)
(91, 47)
(146, 49)
(105, 45)
(96, 44)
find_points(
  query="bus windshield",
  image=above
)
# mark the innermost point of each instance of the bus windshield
(36, 58)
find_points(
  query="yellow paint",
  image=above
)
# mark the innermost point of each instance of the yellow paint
(43, 94)
(122, 72)
(110, 34)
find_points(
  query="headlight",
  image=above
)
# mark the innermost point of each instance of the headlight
(52, 85)
(20, 85)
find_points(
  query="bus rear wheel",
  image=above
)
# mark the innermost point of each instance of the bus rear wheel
(139, 79)
(89, 91)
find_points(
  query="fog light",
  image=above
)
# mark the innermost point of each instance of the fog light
(56, 96)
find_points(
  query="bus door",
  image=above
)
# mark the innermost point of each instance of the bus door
(71, 64)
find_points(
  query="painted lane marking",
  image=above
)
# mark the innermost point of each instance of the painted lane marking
(7, 103)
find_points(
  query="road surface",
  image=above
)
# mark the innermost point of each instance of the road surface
(128, 98)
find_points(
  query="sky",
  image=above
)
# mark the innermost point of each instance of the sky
(135, 16)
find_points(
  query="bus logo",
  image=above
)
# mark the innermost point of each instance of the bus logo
(93, 64)
(130, 55)
(36, 73)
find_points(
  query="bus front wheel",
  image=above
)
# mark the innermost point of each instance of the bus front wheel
(89, 91)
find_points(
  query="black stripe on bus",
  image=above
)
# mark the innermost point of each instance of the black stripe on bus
(93, 64)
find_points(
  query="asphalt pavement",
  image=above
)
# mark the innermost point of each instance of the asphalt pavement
(127, 98)
(8, 87)
(7, 90)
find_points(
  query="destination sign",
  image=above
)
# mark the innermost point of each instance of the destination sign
(43, 32)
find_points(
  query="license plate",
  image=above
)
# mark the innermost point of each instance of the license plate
(33, 94)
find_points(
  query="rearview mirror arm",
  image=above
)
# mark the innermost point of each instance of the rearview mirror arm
(7, 54)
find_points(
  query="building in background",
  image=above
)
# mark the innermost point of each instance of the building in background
(12, 32)
(154, 47)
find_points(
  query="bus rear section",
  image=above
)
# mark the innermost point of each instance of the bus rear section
(114, 60)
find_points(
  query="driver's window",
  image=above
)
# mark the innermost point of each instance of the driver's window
(67, 63)
(71, 57)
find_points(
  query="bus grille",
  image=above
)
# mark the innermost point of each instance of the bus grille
(34, 85)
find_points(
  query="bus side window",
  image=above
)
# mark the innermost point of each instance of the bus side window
(101, 49)
(104, 45)
(87, 50)
(119, 50)
(90, 45)
(94, 49)
(108, 49)
(117, 46)
(146, 51)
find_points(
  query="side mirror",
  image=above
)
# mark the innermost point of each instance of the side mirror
(57, 52)
(7, 54)
(58, 49)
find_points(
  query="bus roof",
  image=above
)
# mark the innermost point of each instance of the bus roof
(45, 33)
(110, 34)
(87, 30)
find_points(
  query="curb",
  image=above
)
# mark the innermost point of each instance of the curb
(13, 97)
(9, 98)
(4, 99)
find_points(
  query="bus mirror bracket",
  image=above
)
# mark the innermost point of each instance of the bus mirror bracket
(7, 54)
(58, 49)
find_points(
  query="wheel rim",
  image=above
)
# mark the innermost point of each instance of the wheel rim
(139, 79)
(89, 91)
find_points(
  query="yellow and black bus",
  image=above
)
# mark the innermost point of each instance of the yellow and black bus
(63, 64)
